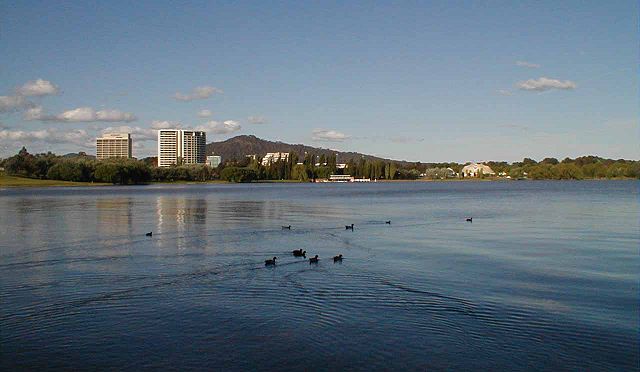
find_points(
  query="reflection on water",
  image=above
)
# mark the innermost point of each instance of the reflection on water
(544, 278)
(115, 216)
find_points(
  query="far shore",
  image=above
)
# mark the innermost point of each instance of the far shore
(23, 182)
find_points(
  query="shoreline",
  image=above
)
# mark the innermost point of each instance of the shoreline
(24, 182)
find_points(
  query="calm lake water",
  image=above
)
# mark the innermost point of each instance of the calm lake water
(546, 277)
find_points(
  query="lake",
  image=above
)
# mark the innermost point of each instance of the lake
(545, 277)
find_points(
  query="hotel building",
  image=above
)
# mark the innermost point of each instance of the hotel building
(188, 146)
(114, 145)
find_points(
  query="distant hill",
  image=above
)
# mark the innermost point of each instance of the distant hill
(78, 155)
(240, 146)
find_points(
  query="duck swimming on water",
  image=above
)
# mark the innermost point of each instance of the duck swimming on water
(349, 227)
(271, 262)
(388, 222)
(149, 233)
(299, 253)
(313, 259)
(286, 227)
(470, 219)
(337, 258)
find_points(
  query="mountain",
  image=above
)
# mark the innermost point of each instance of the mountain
(80, 154)
(240, 146)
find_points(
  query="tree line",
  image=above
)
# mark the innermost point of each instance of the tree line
(305, 169)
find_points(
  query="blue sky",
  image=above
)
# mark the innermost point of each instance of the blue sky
(428, 81)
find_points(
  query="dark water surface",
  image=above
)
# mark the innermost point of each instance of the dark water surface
(546, 277)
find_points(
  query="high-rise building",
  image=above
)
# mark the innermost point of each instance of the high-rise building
(114, 145)
(177, 146)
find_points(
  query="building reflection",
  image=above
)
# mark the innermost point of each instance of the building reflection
(114, 216)
(185, 216)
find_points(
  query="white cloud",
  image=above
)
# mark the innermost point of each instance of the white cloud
(77, 137)
(504, 92)
(81, 114)
(19, 102)
(114, 116)
(328, 135)
(205, 113)
(217, 127)
(13, 103)
(543, 84)
(527, 64)
(34, 113)
(165, 124)
(257, 120)
(37, 87)
(203, 92)
(137, 133)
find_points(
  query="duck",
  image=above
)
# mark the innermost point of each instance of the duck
(286, 227)
(388, 222)
(149, 233)
(470, 219)
(299, 253)
(337, 258)
(314, 259)
(349, 227)
(271, 262)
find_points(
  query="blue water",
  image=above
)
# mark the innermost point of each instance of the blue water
(545, 277)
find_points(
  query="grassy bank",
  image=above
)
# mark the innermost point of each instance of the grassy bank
(13, 181)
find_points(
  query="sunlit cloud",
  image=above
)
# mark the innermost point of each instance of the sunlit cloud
(218, 127)
(328, 135)
(78, 137)
(544, 83)
(14, 103)
(165, 124)
(37, 88)
(81, 114)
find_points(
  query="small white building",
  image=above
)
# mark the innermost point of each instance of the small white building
(475, 170)
(214, 160)
(273, 157)
(341, 178)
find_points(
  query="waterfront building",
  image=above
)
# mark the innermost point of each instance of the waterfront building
(272, 157)
(475, 170)
(113, 145)
(341, 178)
(178, 146)
(214, 160)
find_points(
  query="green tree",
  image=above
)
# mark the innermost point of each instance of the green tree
(235, 174)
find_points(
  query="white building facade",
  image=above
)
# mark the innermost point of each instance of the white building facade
(273, 157)
(214, 160)
(178, 146)
(475, 170)
(114, 145)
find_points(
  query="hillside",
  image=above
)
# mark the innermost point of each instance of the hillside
(240, 146)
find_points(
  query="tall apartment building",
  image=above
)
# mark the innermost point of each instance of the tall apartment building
(114, 145)
(186, 145)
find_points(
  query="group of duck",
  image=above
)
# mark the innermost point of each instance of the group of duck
(301, 253)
